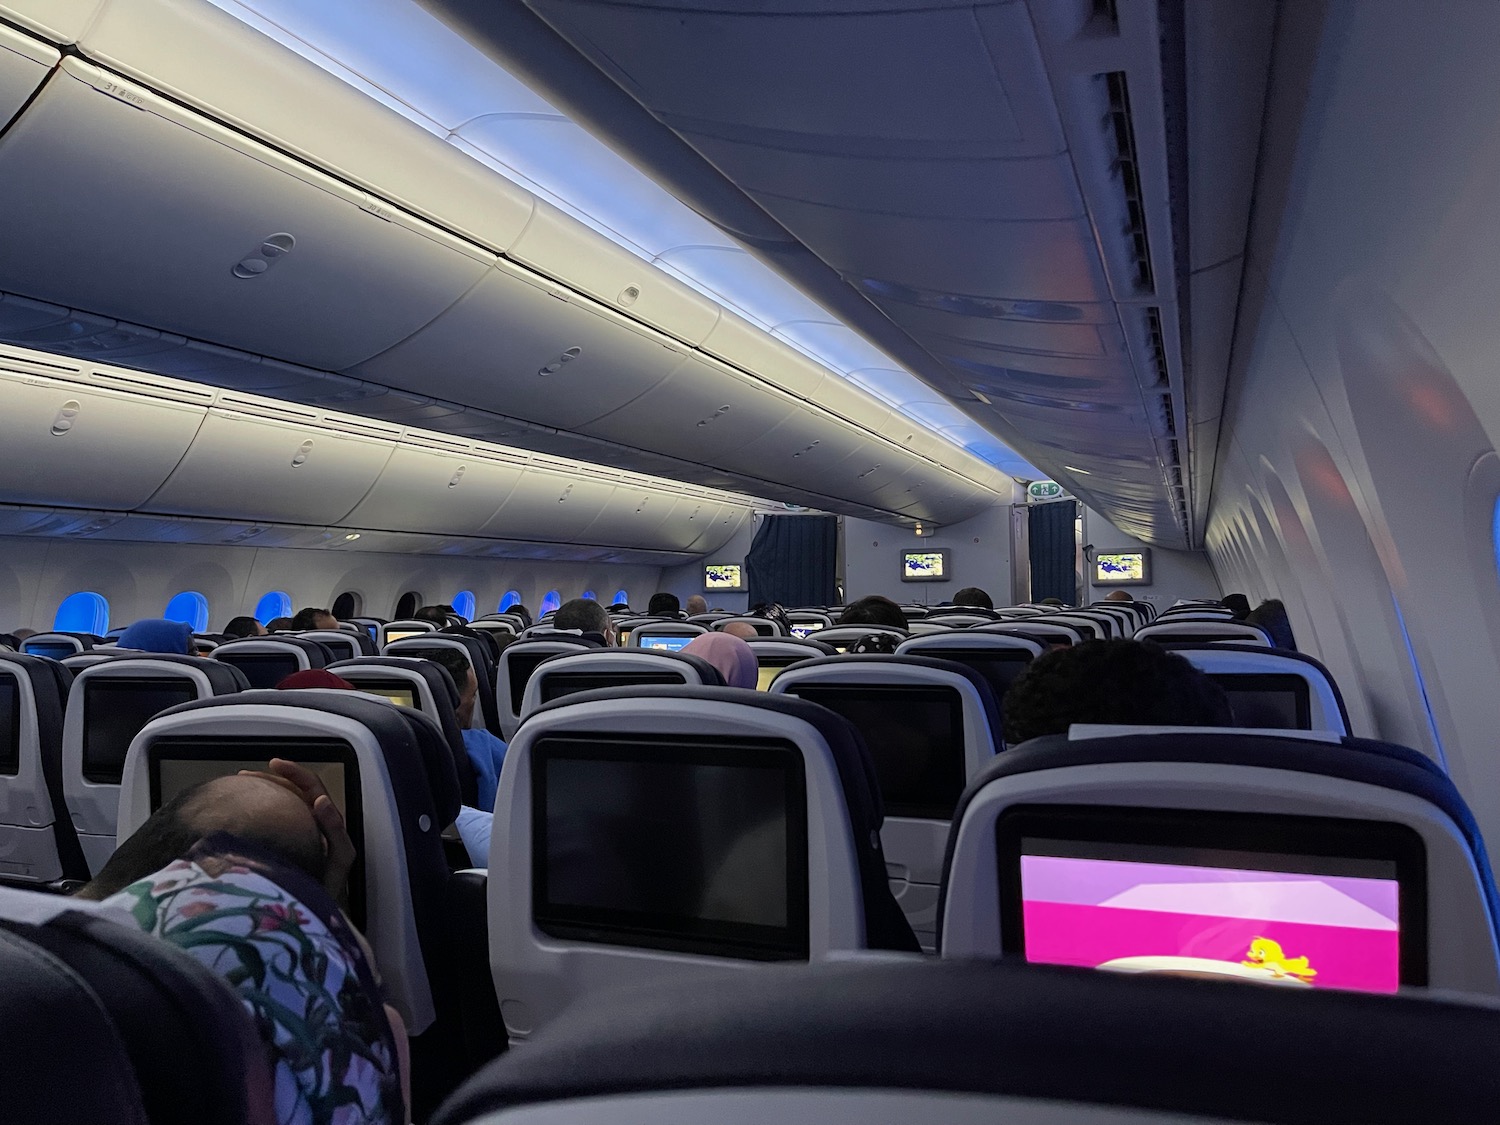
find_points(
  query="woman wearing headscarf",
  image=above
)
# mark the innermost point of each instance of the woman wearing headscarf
(734, 659)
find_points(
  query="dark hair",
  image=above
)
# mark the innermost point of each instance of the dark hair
(171, 831)
(874, 610)
(973, 595)
(1237, 604)
(584, 614)
(308, 618)
(522, 612)
(437, 614)
(663, 605)
(457, 663)
(279, 625)
(1271, 616)
(773, 611)
(1135, 683)
(242, 627)
(875, 642)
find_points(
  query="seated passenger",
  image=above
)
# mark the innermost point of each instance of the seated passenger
(522, 612)
(311, 618)
(734, 659)
(439, 615)
(23, 634)
(741, 629)
(244, 627)
(314, 678)
(486, 752)
(1271, 616)
(874, 610)
(973, 595)
(586, 616)
(1118, 596)
(1133, 683)
(1237, 604)
(696, 604)
(664, 605)
(279, 625)
(236, 873)
(155, 634)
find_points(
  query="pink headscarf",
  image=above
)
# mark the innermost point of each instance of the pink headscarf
(734, 659)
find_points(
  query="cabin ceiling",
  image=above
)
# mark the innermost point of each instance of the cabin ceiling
(1000, 194)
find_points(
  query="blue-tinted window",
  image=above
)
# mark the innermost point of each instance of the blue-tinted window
(189, 607)
(551, 601)
(273, 605)
(512, 597)
(622, 597)
(463, 604)
(593, 597)
(83, 612)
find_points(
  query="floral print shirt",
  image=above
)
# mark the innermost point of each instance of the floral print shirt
(300, 969)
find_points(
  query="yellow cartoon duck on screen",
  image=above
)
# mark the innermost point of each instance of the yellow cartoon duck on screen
(1267, 954)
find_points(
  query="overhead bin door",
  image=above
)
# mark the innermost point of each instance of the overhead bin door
(24, 63)
(61, 21)
(438, 492)
(62, 441)
(634, 518)
(261, 468)
(122, 203)
(552, 505)
(521, 347)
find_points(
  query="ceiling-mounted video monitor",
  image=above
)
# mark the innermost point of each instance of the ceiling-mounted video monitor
(723, 576)
(1123, 568)
(926, 566)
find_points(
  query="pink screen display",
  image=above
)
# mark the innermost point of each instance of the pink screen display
(1323, 931)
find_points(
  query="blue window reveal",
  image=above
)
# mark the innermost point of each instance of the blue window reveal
(189, 607)
(551, 602)
(512, 597)
(463, 604)
(273, 605)
(83, 612)
(593, 597)
(622, 597)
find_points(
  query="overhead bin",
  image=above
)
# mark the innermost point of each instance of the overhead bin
(61, 21)
(554, 502)
(66, 441)
(556, 244)
(452, 492)
(24, 65)
(207, 58)
(634, 518)
(737, 341)
(526, 348)
(273, 462)
(124, 203)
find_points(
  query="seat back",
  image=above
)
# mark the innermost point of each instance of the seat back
(658, 634)
(763, 626)
(929, 726)
(599, 668)
(401, 630)
(342, 644)
(1291, 857)
(487, 714)
(958, 618)
(411, 682)
(985, 1042)
(999, 657)
(266, 661)
(1043, 630)
(38, 842)
(772, 654)
(841, 637)
(1272, 688)
(1089, 628)
(389, 770)
(1107, 626)
(1175, 630)
(81, 660)
(108, 705)
(518, 662)
(655, 833)
(1128, 620)
(55, 646)
(103, 1022)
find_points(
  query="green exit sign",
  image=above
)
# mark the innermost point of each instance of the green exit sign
(1043, 490)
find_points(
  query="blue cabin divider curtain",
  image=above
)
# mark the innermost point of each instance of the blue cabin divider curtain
(794, 560)
(1053, 550)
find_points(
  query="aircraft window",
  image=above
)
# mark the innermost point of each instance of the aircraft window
(622, 597)
(83, 612)
(407, 604)
(189, 607)
(278, 603)
(512, 597)
(593, 597)
(551, 601)
(348, 605)
(463, 604)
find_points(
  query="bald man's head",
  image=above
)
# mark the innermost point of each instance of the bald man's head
(741, 629)
(254, 809)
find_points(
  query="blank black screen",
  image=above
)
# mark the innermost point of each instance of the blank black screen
(1277, 702)
(55, 651)
(915, 738)
(672, 845)
(555, 685)
(522, 665)
(262, 669)
(999, 667)
(114, 711)
(10, 726)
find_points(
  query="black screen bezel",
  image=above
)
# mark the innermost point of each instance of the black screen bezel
(602, 926)
(945, 576)
(720, 588)
(884, 694)
(603, 679)
(225, 748)
(1269, 682)
(1143, 580)
(10, 740)
(1295, 837)
(179, 684)
(513, 665)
